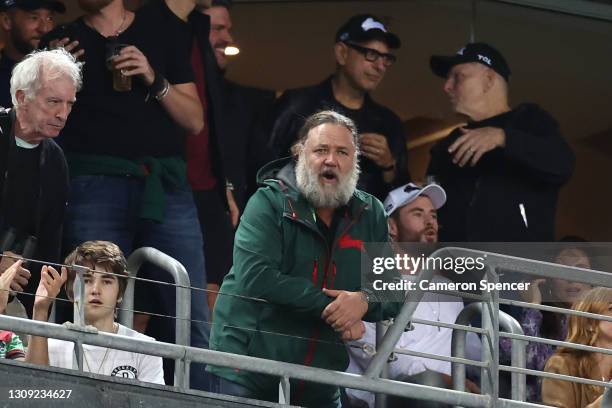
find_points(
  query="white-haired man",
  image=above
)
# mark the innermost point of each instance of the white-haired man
(35, 182)
(298, 247)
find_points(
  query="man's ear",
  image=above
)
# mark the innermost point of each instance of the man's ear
(341, 53)
(20, 96)
(119, 300)
(5, 21)
(392, 228)
(490, 78)
(296, 149)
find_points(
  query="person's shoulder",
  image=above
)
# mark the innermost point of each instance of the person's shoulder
(305, 95)
(52, 145)
(372, 205)
(158, 11)
(381, 109)
(532, 110)
(562, 363)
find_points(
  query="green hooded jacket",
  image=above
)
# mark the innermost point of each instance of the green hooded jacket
(281, 256)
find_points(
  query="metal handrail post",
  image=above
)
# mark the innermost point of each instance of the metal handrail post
(78, 290)
(510, 325)
(518, 356)
(183, 301)
(394, 332)
(458, 343)
(284, 391)
(380, 400)
(489, 379)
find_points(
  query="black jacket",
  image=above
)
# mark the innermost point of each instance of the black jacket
(53, 195)
(233, 116)
(294, 106)
(511, 194)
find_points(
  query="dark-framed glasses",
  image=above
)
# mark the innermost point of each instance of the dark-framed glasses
(373, 55)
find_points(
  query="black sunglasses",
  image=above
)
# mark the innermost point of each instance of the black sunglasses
(372, 55)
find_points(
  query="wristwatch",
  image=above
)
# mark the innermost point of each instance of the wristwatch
(365, 296)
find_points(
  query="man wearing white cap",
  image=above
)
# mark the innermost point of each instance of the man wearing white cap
(412, 212)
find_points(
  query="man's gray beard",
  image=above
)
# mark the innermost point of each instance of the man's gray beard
(310, 187)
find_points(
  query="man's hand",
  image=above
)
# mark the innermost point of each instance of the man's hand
(22, 276)
(68, 46)
(233, 207)
(131, 61)
(474, 143)
(355, 332)
(374, 146)
(6, 280)
(211, 297)
(346, 310)
(534, 293)
(470, 386)
(50, 284)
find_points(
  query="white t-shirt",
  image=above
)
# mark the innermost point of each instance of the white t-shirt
(107, 361)
(423, 338)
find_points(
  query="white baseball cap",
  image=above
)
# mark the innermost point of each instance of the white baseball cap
(408, 193)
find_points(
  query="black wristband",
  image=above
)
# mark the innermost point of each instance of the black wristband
(158, 84)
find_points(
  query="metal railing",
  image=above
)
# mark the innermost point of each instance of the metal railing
(489, 308)
(370, 381)
(183, 301)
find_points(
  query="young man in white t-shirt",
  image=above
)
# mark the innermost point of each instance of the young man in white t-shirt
(103, 291)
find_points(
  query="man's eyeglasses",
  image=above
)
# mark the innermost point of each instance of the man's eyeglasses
(372, 55)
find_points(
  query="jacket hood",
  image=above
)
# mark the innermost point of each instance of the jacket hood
(282, 169)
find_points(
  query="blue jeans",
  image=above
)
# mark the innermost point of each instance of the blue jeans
(227, 387)
(107, 208)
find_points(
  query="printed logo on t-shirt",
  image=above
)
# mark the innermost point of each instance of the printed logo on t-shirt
(125, 372)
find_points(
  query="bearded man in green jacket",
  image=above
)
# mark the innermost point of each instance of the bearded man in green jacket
(298, 248)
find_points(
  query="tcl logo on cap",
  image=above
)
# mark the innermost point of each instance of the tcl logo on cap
(484, 59)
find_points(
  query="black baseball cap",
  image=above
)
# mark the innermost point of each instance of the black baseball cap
(366, 27)
(52, 5)
(473, 52)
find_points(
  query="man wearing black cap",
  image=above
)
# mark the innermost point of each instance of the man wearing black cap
(24, 22)
(362, 59)
(503, 170)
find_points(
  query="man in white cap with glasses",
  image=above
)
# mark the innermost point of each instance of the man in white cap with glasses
(412, 212)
